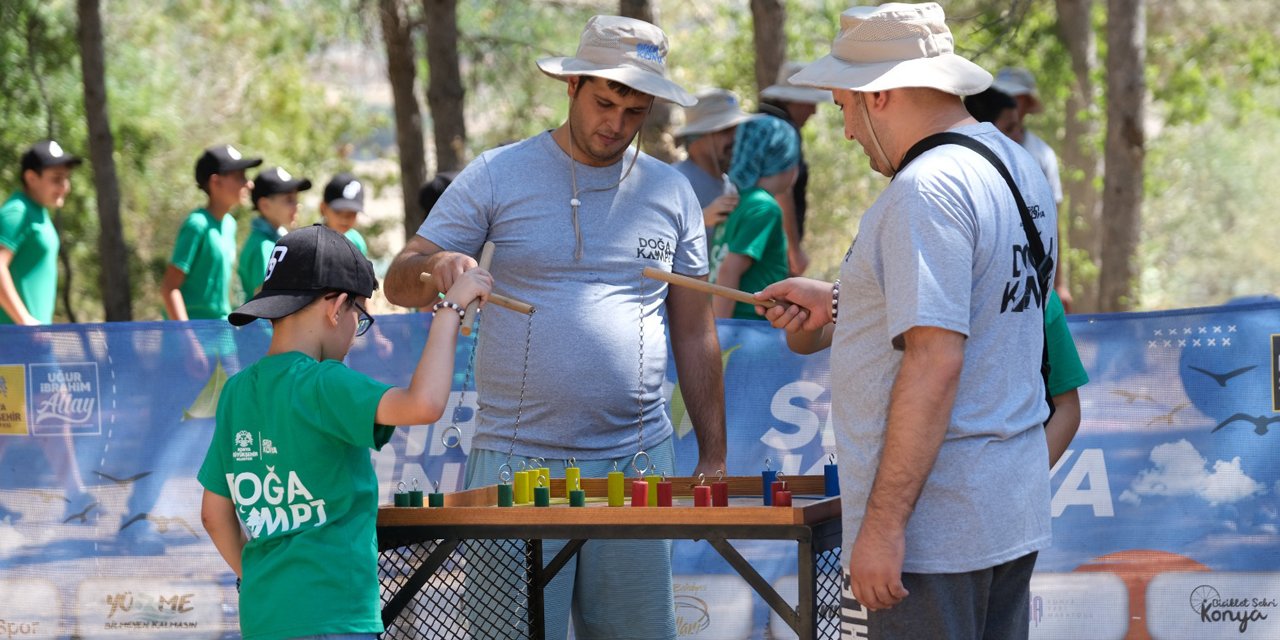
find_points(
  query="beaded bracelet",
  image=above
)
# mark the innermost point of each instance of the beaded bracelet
(835, 300)
(462, 311)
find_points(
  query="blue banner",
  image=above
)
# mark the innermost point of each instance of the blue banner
(1166, 520)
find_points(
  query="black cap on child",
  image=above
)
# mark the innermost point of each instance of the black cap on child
(45, 154)
(304, 265)
(222, 158)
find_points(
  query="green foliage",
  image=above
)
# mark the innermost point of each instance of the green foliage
(181, 75)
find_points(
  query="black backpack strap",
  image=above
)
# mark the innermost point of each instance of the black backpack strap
(1043, 264)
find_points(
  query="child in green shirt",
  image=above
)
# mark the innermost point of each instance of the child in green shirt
(275, 197)
(28, 241)
(343, 202)
(290, 455)
(197, 282)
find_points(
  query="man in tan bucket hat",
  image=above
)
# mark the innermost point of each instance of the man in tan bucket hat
(707, 133)
(937, 395)
(795, 105)
(576, 216)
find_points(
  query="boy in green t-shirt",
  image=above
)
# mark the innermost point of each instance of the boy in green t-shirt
(343, 201)
(275, 196)
(197, 283)
(290, 452)
(28, 240)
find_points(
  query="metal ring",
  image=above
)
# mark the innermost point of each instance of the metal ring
(719, 475)
(573, 462)
(400, 487)
(504, 473)
(542, 480)
(523, 465)
(702, 478)
(833, 458)
(457, 440)
(415, 484)
(436, 484)
(768, 464)
(648, 463)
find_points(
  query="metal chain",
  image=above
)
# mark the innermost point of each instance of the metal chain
(471, 367)
(640, 390)
(524, 374)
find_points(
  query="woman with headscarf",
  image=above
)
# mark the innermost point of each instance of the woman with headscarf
(749, 250)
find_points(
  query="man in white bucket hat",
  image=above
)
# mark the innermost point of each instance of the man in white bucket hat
(576, 216)
(707, 133)
(937, 394)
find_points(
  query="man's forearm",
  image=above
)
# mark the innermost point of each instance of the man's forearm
(402, 283)
(702, 385)
(920, 407)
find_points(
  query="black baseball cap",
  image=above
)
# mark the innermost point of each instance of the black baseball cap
(344, 193)
(45, 154)
(275, 180)
(304, 265)
(221, 158)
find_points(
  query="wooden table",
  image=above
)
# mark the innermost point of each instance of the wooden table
(813, 522)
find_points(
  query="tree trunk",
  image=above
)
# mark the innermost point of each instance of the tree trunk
(402, 72)
(445, 93)
(655, 135)
(1081, 161)
(769, 20)
(1126, 149)
(113, 256)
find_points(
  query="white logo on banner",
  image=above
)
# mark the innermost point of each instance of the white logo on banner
(1079, 605)
(1208, 606)
(132, 607)
(712, 606)
(31, 608)
(66, 398)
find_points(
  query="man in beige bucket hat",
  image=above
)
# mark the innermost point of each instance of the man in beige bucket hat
(937, 395)
(794, 104)
(707, 133)
(576, 216)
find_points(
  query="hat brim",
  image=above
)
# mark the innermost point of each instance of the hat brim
(241, 164)
(65, 161)
(271, 305)
(796, 94)
(1014, 90)
(562, 68)
(714, 124)
(948, 73)
(285, 187)
(343, 204)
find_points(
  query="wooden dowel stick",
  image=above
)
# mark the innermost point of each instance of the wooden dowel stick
(505, 302)
(706, 287)
(486, 259)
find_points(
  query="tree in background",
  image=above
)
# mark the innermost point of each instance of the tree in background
(769, 24)
(402, 71)
(655, 135)
(1125, 153)
(445, 92)
(112, 253)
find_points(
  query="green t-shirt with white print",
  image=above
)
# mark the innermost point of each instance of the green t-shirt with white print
(291, 449)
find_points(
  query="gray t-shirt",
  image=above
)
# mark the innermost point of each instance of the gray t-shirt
(583, 393)
(1043, 153)
(942, 247)
(705, 185)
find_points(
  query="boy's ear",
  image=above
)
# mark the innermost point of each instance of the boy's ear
(333, 309)
(28, 176)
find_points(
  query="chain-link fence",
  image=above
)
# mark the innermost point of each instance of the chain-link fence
(479, 589)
